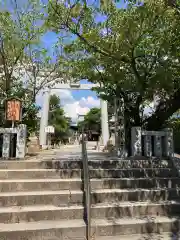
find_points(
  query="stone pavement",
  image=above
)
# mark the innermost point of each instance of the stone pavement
(71, 151)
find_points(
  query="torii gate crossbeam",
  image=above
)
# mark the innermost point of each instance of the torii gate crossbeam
(73, 86)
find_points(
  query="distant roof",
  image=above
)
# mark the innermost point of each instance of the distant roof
(73, 125)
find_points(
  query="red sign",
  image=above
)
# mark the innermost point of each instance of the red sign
(13, 110)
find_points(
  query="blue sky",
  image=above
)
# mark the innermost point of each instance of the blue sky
(48, 40)
(75, 101)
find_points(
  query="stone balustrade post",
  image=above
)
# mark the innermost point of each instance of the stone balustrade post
(147, 146)
(6, 145)
(21, 141)
(158, 146)
(136, 145)
(168, 142)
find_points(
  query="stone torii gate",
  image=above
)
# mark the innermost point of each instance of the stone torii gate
(72, 86)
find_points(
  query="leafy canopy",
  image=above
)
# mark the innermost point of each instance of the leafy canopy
(133, 53)
(92, 120)
(56, 115)
(58, 119)
(26, 66)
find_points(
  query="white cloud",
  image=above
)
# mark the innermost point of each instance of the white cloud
(72, 107)
(89, 101)
(65, 95)
(81, 107)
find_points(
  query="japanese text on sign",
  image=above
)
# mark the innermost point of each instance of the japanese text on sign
(13, 110)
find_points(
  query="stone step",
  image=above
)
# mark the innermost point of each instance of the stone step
(157, 236)
(67, 198)
(127, 226)
(75, 229)
(57, 198)
(117, 195)
(94, 173)
(39, 173)
(76, 163)
(44, 230)
(133, 173)
(122, 183)
(17, 214)
(13, 185)
(134, 209)
(126, 164)
(40, 184)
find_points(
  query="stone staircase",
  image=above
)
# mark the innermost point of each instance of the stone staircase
(43, 200)
(137, 199)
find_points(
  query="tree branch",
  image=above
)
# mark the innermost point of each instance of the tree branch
(165, 110)
(104, 52)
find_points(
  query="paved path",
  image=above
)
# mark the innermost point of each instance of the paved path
(70, 151)
(74, 151)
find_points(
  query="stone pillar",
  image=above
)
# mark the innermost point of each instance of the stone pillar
(121, 129)
(6, 145)
(168, 142)
(158, 146)
(147, 146)
(21, 141)
(136, 145)
(104, 122)
(44, 119)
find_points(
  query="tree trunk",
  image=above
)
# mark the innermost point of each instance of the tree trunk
(163, 113)
(171, 3)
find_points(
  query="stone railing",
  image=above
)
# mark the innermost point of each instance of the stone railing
(21, 132)
(152, 143)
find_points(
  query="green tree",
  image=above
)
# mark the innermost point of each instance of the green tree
(29, 110)
(18, 30)
(92, 120)
(130, 54)
(133, 54)
(58, 119)
(25, 66)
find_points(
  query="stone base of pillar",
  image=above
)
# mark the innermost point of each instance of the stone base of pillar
(122, 153)
(43, 147)
(109, 147)
(21, 147)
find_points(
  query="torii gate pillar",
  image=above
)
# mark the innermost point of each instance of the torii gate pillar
(104, 122)
(44, 119)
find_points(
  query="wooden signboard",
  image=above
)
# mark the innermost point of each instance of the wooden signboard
(49, 129)
(13, 109)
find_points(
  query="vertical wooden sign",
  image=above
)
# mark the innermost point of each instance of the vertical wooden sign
(13, 110)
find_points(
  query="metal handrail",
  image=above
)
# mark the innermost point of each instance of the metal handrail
(87, 189)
